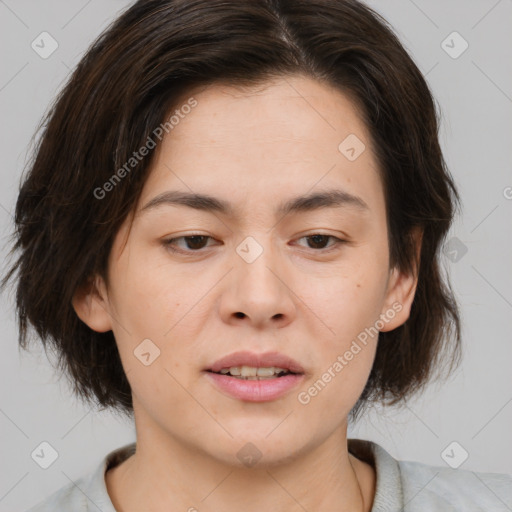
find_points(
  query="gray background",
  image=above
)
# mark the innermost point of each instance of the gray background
(474, 91)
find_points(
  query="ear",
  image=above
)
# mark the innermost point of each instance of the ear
(402, 288)
(90, 303)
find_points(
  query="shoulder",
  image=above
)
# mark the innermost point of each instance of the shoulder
(89, 492)
(409, 486)
(447, 489)
(68, 497)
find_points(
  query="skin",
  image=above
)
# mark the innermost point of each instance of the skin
(255, 148)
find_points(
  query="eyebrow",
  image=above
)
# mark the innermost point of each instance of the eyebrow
(334, 198)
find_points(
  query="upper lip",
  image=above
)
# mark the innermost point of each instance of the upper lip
(265, 360)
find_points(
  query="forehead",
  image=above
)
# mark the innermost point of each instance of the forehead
(284, 113)
(284, 137)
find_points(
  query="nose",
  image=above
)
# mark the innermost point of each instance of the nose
(258, 291)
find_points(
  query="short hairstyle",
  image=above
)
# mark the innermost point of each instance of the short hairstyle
(126, 84)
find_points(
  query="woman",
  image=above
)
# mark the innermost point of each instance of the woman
(231, 231)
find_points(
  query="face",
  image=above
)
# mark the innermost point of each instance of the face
(194, 282)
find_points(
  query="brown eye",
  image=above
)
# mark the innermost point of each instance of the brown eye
(193, 243)
(319, 241)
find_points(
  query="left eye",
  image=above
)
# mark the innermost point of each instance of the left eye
(194, 243)
(321, 240)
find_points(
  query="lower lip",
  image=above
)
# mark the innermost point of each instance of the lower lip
(255, 390)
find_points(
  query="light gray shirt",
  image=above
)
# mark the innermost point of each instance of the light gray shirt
(401, 486)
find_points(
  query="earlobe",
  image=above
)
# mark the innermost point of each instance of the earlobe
(91, 305)
(402, 289)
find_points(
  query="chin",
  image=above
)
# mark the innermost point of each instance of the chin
(257, 449)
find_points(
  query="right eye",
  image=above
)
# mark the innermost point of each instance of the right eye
(194, 243)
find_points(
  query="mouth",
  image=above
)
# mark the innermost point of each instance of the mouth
(250, 365)
(255, 377)
(253, 373)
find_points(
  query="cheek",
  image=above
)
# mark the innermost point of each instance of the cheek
(347, 300)
(150, 297)
(350, 307)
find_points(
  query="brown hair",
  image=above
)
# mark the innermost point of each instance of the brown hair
(123, 88)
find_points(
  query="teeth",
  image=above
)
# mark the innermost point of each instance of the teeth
(267, 372)
(248, 371)
(251, 373)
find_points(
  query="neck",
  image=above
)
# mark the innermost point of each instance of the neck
(167, 474)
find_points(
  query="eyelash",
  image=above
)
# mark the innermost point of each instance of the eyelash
(168, 243)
